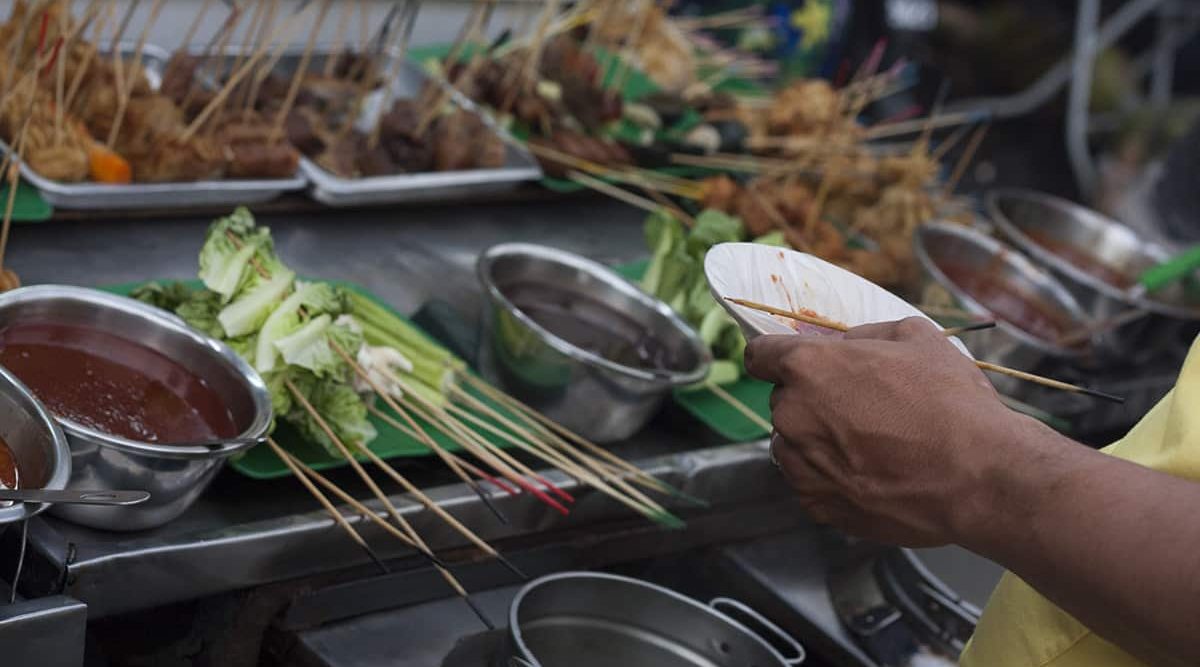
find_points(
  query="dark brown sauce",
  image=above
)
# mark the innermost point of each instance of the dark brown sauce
(9, 474)
(591, 325)
(114, 385)
(1009, 303)
(1081, 260)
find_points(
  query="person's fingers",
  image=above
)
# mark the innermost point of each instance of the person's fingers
(765, 356)
(781, 359)
(911, 328)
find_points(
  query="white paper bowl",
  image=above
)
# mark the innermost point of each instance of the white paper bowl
(797, 281)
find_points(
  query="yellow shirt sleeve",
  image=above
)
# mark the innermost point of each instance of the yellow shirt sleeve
(1019, 627)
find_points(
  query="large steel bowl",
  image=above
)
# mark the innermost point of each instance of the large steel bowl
(175, 476)
(598, 398)
(938, 245)
(1017, 213)
(37, 443)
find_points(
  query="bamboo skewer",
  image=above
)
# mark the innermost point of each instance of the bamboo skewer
(978, 326)
(206, 55)
(614, 192)
(653, 511)
(472, 468)
(195, 26)
(984, 365)
(126, 94)
(424, 438)
(281, 32)
(86, 64)
(964, 160)
(379, 494)
(301, 71)
(498, 458)
(337, 516)
(545, 424)
(444, 424)
(345, 9)
(408, 21)
(741, 407)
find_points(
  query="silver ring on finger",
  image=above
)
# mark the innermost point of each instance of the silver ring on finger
(771, 451)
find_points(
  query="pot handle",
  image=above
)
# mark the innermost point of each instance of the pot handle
(717, 603)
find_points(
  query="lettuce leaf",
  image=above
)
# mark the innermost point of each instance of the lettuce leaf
(314, 298)
(310, 348)
(200, 311)
(231, 243)
(247, 313)
(342, 409)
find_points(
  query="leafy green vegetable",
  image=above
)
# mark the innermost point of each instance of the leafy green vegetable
(340, 407)
(200, 310)
(713, 227)
(664, 235)
(314, 299)
(247, 313)
(230, 245)
(312, 347)
(167, 296)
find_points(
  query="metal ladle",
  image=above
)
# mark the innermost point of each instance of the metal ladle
(72, 496)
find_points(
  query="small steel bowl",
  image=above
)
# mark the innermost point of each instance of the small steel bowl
(1017, 212)
(939, 244)
(37, 443)
(175, 476)
(598, 398)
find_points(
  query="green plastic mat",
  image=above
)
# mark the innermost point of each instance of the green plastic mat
(709, 408)
(28, 206)
(261, 463)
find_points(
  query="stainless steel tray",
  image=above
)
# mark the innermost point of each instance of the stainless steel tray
(96, 196)
(519, 166)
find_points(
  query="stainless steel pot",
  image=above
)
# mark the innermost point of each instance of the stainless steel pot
(1018, 212)
(600, 399)
(175, 476)
(587, 619)
(937, 245)
(37, 443)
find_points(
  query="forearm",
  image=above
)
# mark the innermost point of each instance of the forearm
(1114, 544)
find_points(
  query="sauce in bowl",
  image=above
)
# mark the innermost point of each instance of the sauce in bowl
(114, 385)
(1009, 303)
(592, 326)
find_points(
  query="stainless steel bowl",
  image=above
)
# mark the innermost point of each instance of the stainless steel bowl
(587, 619)
(937, 245)
(600, 399)
(175, 476)
(37, 443)
(1018, 212)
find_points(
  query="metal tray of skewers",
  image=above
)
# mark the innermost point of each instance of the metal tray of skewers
(515, 167)
(176, 194)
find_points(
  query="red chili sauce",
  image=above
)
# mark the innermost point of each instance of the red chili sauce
(9, 475)
(1081, 260)
(1009, 303)
(806, 329)
(114, 385)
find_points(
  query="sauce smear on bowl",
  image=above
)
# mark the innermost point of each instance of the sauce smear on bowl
(9, 475)
(114, 385)
(1082, 260)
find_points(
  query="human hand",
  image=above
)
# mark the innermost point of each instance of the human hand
(888, 433)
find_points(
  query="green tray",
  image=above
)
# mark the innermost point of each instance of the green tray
(709, 408)
(261, 463)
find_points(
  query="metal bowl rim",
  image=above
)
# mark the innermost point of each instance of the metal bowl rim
(1014, 257)
(61, 472)
(514, 628)
(674, 378)
(249, 437)
(1079, 212)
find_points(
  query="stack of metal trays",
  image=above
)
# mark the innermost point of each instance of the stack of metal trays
(98, 196)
